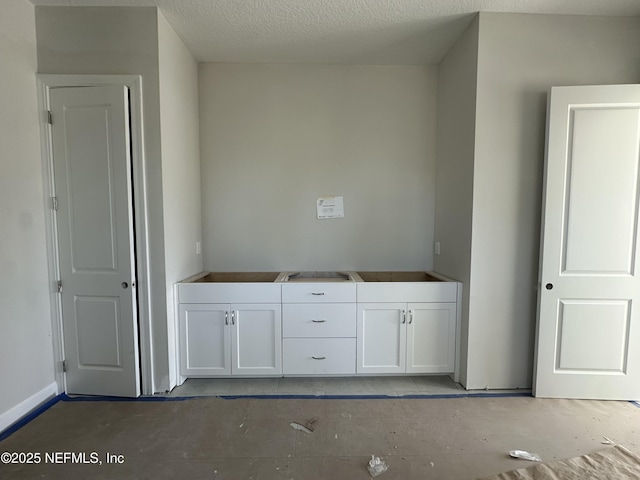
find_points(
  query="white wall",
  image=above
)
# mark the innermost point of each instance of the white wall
(457, 81)
(26, 355)
(115, 40)
(180, 167)
(519, 58)
(274, 138)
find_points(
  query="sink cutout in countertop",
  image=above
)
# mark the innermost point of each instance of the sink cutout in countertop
(318, 277)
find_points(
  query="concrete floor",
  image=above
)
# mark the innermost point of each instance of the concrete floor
(251, 438)
(393, 386)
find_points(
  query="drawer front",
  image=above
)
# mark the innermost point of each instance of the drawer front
(313, 292)
(229, 293)
(377, 292)
(319, 320)
(319, 356)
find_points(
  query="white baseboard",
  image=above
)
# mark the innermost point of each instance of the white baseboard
(15, 413)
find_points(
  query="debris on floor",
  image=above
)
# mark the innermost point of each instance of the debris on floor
(533, 457)
(376, 466)
(311, 423)
(302, 428)
(307, 427)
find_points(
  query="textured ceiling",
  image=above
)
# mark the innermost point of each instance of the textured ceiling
(394, 32)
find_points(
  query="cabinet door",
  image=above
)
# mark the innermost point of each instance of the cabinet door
(382, 338)
(256, 339)
(431, 337)
(204, 340)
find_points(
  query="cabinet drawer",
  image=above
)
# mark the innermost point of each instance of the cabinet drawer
(407, 292)
(319, 356)
(319, 320)
(318, 293)
(229, 293)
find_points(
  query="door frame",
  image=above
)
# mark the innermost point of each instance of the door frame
(45, 82)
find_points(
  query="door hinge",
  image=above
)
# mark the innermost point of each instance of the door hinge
(64, 366)
(59, 283)
(49, 117)
(54, 203)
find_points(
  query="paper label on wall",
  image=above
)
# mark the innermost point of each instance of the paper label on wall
(330, 207)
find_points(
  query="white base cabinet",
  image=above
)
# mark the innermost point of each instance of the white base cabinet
(317, 328)
(406, 337)
(230, 339)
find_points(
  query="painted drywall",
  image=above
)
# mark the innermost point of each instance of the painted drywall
(275, 138)
(26, 348)
(116, 40)
(519, 58)
(180, 168)
(457, 79)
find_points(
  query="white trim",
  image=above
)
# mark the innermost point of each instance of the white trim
(51, 235)
(14, 414)
(179, 378)
(456, 371)
(134, 83)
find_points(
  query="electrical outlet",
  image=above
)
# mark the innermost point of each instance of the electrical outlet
(198, 248)
(436, 248)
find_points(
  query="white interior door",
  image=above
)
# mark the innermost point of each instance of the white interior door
(588, 339)
(92, 170)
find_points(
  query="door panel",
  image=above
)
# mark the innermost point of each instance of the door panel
(431, 331)
(601, 202)
(382, 338)
(256, 339)
(98, 316)
(92, 189)
(206, 336)
(603, 351)
(92, 172)
(588, 338)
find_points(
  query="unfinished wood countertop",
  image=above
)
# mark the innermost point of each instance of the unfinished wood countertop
(238, 277)
(398, 277)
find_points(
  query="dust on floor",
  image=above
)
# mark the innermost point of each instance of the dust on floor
(248, 438)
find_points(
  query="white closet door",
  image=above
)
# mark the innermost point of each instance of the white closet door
(588, 338)
(94, 219)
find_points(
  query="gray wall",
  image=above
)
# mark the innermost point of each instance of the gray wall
(180, 168)
(519, 58)
(274, 138)
(457, 82)
(26, 352)
(113, 40)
